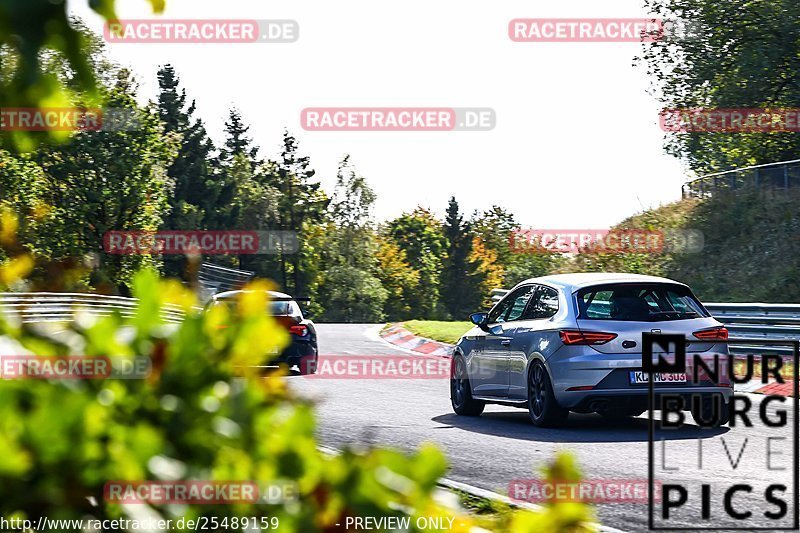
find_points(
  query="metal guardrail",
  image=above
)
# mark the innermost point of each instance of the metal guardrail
(215, 278)
(747, 321)
(497, 294)
(759, 321)
(43, 307)
(780, 175)
(63, 307)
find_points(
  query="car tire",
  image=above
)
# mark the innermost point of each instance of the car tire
(308, 364)
(461, 390)
(704, 412)
(543, 407)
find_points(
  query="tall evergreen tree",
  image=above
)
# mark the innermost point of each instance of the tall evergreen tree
(237, 139)
(302, 203)
(459, 278)
(195, 187)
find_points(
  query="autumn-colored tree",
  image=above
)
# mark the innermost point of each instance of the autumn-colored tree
(488, 268)
(397, 277)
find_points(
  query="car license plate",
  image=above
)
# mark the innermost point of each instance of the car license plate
(639, 377)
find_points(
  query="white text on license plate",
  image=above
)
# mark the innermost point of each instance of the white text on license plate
(658, 377)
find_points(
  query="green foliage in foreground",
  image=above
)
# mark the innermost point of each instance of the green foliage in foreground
(438, 330)
(32, 31)
(202, 413)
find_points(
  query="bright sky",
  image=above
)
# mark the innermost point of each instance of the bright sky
(577, 143)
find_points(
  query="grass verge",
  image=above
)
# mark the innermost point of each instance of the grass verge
(438, 330)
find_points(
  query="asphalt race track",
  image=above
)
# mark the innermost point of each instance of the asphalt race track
(490, 451)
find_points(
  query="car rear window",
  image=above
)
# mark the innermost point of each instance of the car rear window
(639, 302)
(275, 308)
(281, 308)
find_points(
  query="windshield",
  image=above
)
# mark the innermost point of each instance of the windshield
(639, 302)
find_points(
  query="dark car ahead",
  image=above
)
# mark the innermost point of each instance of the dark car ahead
(302, 352)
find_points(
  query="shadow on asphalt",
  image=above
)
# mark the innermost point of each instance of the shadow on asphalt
(577, 428)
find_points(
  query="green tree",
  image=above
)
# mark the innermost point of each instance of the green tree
(420, 235)
(30, 32)
(738, 55)
(398, 277)
(302, 204)
(496, 228)
(349, 287)
(460, 280)
(238, 140)
(101, 181)
(238, 149)
(195, 188)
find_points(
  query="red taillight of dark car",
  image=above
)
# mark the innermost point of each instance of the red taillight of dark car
(719, 333)
(574, 336)
(299, 329)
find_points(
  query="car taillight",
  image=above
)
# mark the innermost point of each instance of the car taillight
(574, 336)
(299, 330)
(718, 333)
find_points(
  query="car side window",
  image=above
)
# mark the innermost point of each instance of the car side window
(515, 305)
(544, 304)
(499, 311)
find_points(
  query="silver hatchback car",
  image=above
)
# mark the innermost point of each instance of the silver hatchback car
(572, 342)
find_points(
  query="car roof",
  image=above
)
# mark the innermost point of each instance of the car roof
(232, 294)
(573, 282)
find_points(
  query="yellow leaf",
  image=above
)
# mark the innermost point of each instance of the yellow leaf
(8, 226)
(158, 5)
(16, 269)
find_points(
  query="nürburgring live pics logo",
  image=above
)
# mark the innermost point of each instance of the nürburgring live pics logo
(743, 479)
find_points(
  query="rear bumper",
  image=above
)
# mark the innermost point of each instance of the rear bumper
(615, 388)
(608, 375)
(636, 400)
(297, 351)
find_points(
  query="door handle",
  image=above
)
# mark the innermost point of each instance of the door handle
(505, 342)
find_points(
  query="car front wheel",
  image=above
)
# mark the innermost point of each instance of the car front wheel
(542, 404)
(461, 392)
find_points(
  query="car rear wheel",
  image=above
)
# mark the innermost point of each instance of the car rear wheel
(308, 364)
(542, 404)
(461, 392)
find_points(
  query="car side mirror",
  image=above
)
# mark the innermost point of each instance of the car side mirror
(480, 320)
